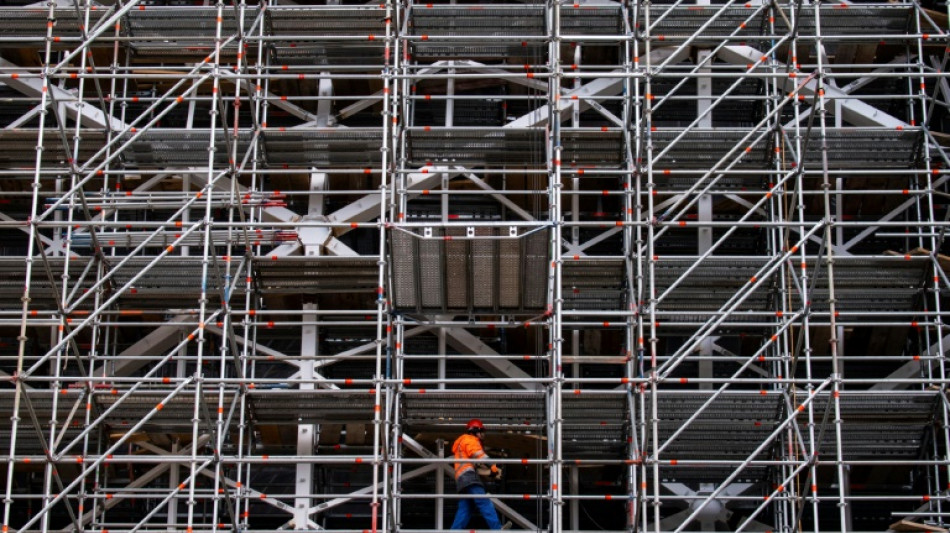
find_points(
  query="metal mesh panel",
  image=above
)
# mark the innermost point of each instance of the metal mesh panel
(403, 270)
(311, 407)
(177, 32)
(704, 148)
(479, 274)
(581, 19)
(534, 273)
(592, 284)
(871, 22)
(180, 148)
(529, 51)
(351, 147)
(175, 412)
(871, 284)
(18, 149)
(499, 409)
(482, 21)
(709, 286)
(850, 148)
(31, 23)
(431, 273)
(328, 21)
(484, 270)
(457, 276)
(473, 146)
(592, 147)
(316, 275)
(595, 424)
(42, 293)
(509, 275)
(319, 56)
(737, 422)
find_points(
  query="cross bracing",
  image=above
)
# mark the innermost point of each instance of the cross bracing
(262, 261)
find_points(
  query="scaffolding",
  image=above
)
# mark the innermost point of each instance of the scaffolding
(261, 262)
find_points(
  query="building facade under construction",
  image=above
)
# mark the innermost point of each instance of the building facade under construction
(260, 263)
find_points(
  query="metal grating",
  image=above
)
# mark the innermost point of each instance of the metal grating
(869, 22)
(590, 147)
(174, 413)
(885, 425)
(499, 274)
(325, 56)
(300, 148)
(476, 147)
(326, 21)
(595, 424)
(182, 32)
(592, 284)
(708, 287)
(518, 410)
(703, 148)
(312, 275)
(319, 406)
(861, 284)
(512, 21)
(590, 19)
(848, 148)
(27, 25)
(178, 148)
(736, 421)
(872, 283)
(18, 149)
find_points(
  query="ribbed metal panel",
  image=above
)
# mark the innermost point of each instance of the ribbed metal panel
(709, 286)
(350, 147)
(848, 148)
(18, 149)
(311, 275)
(484, 270)
(596, 424)
(457, 275)
(586, 147)
(178, 148)
(311, 407)
(404, 285)
(861, 284)
(872, 284)
(703, 148)
(173, 413)
(431, 273)
(480, 20)
(484, 275)
(30, 22)
(836, 20)
(592, 284)
(520, 410)
(477, 146)
(325, 56)
(326, 21)
(589, 19)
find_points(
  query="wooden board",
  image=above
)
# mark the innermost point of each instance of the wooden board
(907, 525)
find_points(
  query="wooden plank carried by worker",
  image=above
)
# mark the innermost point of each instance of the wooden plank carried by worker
(907, 525)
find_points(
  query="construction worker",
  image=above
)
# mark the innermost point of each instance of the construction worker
(466, 448)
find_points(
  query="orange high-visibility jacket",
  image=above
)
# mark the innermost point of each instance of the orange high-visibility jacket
(467, 447)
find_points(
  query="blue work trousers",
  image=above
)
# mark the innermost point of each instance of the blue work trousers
(467, 506)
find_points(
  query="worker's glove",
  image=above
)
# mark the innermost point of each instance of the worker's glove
(495, 472)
